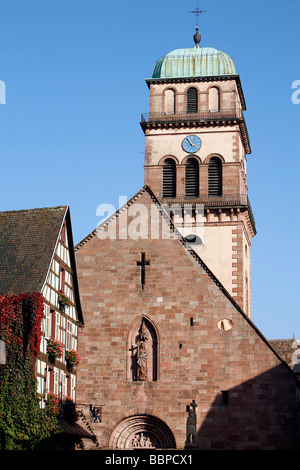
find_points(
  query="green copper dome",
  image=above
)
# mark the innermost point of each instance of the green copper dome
(194, 62)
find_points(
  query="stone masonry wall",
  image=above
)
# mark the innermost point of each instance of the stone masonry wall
(198, 359)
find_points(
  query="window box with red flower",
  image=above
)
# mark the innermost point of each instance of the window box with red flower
(72, 359)
(54, 349)
(64, 301)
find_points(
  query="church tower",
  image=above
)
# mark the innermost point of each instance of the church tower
(169, 354)
(196, 147)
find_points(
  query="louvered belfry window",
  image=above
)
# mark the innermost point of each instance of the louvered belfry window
(192, 178)
(192, 100)
(215, 177)
(169, 178)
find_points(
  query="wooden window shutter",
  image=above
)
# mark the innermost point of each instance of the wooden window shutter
(192, 178)
(215, 177)
(192, 100)
(169, 178)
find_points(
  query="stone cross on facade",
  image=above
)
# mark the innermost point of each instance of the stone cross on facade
(143, 263)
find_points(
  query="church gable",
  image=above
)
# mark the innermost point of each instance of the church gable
(160, 330)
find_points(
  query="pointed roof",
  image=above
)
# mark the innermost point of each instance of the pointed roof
(28, 239)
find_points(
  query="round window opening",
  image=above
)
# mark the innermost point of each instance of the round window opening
(225, 324)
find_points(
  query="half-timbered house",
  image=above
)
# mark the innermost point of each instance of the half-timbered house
(37, 255)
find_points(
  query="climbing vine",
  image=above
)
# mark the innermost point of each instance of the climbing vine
(23, 424)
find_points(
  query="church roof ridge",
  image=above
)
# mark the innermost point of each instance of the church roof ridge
(35, 209)
(105, 222)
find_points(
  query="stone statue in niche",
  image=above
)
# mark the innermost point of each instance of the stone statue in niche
(141, 359)
(191, 424)
(142, 352)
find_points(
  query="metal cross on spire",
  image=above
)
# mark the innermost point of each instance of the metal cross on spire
(197, 37)
(197, 12)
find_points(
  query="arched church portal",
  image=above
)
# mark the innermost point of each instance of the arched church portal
(142, 431)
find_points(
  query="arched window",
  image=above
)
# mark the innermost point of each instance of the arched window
(192, 100)
(192, 178)
(169, 101)
(142, 350)
(214, 99)
(215, 177)
(169, 178)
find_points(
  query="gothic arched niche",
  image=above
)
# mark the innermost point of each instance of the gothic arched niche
(142, 351)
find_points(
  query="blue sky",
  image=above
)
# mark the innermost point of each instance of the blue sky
(75, 89)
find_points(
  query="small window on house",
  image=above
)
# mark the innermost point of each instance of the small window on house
(69, 336)
(215, 177)
(47, 321)
(192, 100)
(192, 178)
(169, 178)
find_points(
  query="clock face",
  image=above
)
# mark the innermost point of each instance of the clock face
(191, 144)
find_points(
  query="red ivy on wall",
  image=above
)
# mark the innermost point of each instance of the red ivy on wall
(20, 321)
(23, 424)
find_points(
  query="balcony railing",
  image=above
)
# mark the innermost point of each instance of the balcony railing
(204, 115)
(209, 201)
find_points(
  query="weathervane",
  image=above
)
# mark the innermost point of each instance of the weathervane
(197, 36)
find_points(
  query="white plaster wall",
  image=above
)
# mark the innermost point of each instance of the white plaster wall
(216, 251)
(160, 143)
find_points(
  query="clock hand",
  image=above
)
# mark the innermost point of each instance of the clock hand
(191, 142)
